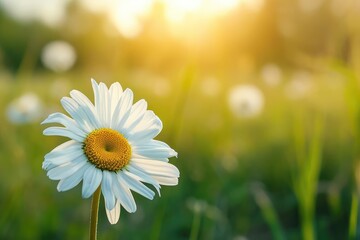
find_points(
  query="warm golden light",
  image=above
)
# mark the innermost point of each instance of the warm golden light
(127, 15)
(178, 10)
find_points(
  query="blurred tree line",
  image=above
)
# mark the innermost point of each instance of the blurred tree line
(280, 31)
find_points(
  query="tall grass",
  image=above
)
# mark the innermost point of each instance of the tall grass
(353, 106)
(305, 172)
(254, 146)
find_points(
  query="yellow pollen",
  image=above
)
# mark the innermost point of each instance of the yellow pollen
(107, 149)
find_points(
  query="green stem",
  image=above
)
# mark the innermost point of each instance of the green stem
(353, 216)
(94, 214)
(195, 226)
(307, 227)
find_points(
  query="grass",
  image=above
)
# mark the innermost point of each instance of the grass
(220, 157)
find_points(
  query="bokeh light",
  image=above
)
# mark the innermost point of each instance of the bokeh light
(246, 101)
(58, 56)
(25, 109)
(51, 13)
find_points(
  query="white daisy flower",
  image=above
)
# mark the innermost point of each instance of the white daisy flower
(111, 146)
(58, 56)
(27, 108)
(246, 101)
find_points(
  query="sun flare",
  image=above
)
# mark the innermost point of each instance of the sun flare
(129, 15)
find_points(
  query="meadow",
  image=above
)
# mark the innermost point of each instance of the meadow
(277, 162)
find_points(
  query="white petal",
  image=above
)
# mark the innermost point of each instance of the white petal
(91, 181)
(60, 131)
(136, 185)
(48, 165)
(77, 113)
(67, 148)
(103, 109)
(115, 91)
(154, 149)
(95, 87)
(65, 170)
(156, 168)
(143, 136)
(147, 132)
(149, 120)
(167, 181)
(65, 145)
(67, 122)
(113, 215)
(70, 145)
(122, 110)
(101, 102)
(124, 195)
(66, 157)
(137, 156)
(71, 181)
(115, 94)
(136, 114)
(142, 176)
(87, 107)
(107, 189)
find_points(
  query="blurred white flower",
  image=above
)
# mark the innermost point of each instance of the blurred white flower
(196, 205)
(25, 109)
(201, 207)
(299, 85)
(261, 197)
(210, 86)
(58, 56)
(246, 101)
(49, 12)
(271, 74)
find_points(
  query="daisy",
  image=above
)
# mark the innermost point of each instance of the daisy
(58, 56)
(111, 148)
(246, 101)
(27, 108)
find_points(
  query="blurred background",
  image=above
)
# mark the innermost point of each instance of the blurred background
(260, 98)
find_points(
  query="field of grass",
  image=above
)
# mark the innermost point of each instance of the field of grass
(291, 171)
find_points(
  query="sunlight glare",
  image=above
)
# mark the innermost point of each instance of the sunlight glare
(252, 5)
(177, 11)
(97, 6)
(127, 14)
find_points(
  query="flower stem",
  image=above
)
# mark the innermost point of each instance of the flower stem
(94, 213)
(353, 216)
(195, 226)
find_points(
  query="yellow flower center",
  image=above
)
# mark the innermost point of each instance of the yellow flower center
(107, 149)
